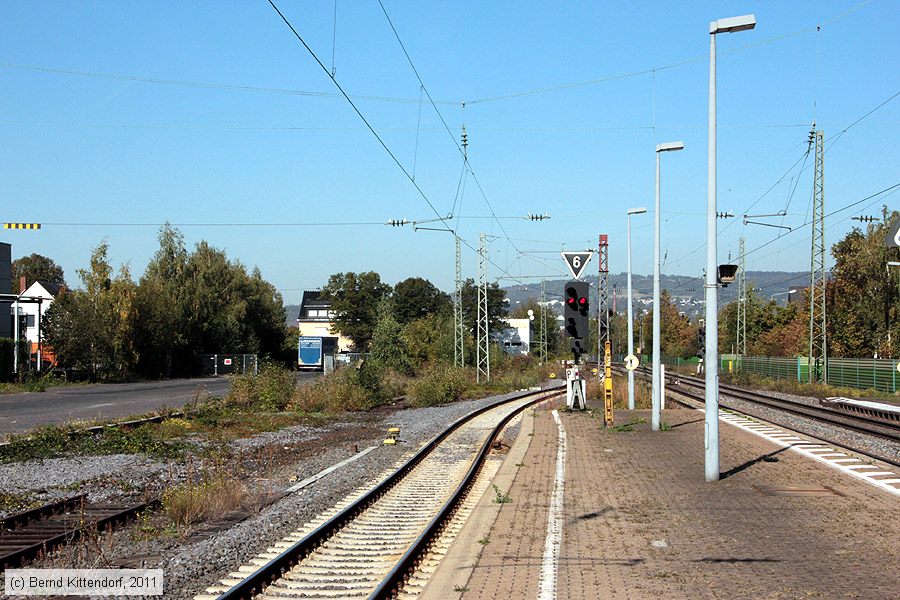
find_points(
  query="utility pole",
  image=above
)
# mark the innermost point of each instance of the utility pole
(543, 304)
(818, 350)
(483, 362)
(459, 327)
(742, 305)
(603, 297)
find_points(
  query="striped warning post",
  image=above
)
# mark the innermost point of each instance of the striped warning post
(21, 226)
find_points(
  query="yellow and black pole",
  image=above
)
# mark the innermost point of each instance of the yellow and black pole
(607, 385)
(21, 226)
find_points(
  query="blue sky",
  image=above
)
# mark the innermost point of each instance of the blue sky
(118, 116)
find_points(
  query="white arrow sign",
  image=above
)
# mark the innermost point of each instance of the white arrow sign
(631, 362)
(577, 261)
(892, 239)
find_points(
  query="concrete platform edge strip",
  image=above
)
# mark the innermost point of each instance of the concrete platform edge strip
(550, 561)
(744, 423)
(314, 478)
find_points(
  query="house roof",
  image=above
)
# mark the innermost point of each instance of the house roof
(43, 288)
(313, 299)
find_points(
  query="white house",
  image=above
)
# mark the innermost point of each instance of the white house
(40, 295)
(516, 337)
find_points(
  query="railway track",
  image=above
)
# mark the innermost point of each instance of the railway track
(382, 541)
(868, 423)
(34, 533)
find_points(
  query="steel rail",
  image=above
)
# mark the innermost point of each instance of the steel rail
(289, 557)
(857, 422)
(844, 444)
(410, 559)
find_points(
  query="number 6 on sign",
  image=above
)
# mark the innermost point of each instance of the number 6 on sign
(577, 261)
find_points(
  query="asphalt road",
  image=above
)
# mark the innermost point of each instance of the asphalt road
(108, 401)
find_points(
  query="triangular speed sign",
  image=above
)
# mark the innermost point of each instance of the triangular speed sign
(577, 261)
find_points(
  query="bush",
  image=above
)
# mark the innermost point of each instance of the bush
(439, 384)
(191, 503)
(270, 390)
(341, 391)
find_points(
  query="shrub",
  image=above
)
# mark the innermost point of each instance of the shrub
(191, 503)
(270, 390)
(439, 384)
(341, 391)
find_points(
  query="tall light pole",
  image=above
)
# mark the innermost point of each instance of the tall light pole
(654, 419)
(729, 25)
(629, 212)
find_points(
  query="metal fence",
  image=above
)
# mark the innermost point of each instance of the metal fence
(859, 373)
(229, 364)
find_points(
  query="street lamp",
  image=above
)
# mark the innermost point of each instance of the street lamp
(654, 420)
(729, 25)
(629, 212)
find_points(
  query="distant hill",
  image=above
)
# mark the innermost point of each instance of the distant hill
(688, 291)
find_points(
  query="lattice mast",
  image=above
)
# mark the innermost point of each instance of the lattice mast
(603, 298)
(459, 326)
(741, 337)
(818, 350)
(483, 358)
(543, 326)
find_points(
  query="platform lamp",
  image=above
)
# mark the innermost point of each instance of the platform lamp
(629, 212)
(729, 25)
(656, 402)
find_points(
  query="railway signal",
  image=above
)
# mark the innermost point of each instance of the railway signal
(576, 310)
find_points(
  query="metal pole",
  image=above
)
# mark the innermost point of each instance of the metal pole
(630, 324)
(16, 336)
(654, 419)
(712, 316)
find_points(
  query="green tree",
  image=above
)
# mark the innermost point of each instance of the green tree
(862, 298)
(430, 339)
(36, 267)
(354, 301)
(415, 297)
(91, 328)
(496, 306)
(160, 336)
(389, 349)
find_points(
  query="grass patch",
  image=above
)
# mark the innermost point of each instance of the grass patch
(629, 426)
(190, 503)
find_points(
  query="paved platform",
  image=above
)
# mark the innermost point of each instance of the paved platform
(637, 520)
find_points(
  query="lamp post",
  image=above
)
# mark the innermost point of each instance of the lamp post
(629, 212)
(729, 25)
(654, 419)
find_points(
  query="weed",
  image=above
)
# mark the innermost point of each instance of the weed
(628, 426)
(191, 502)
(485, 540)
(520, 464)
(500, 497)
(441, 384)
(460, 589)
(664, 426)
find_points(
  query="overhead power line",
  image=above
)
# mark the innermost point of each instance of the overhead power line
(412, 180)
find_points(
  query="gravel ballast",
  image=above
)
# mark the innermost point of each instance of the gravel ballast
(207, 553)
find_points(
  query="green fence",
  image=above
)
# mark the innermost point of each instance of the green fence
(860, 373)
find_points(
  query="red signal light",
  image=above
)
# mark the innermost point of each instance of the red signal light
(582, 301)
(571, 300)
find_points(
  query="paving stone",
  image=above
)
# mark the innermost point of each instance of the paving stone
(641, 522)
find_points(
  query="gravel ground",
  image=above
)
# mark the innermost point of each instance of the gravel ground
(195, 560)
(877, 446)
